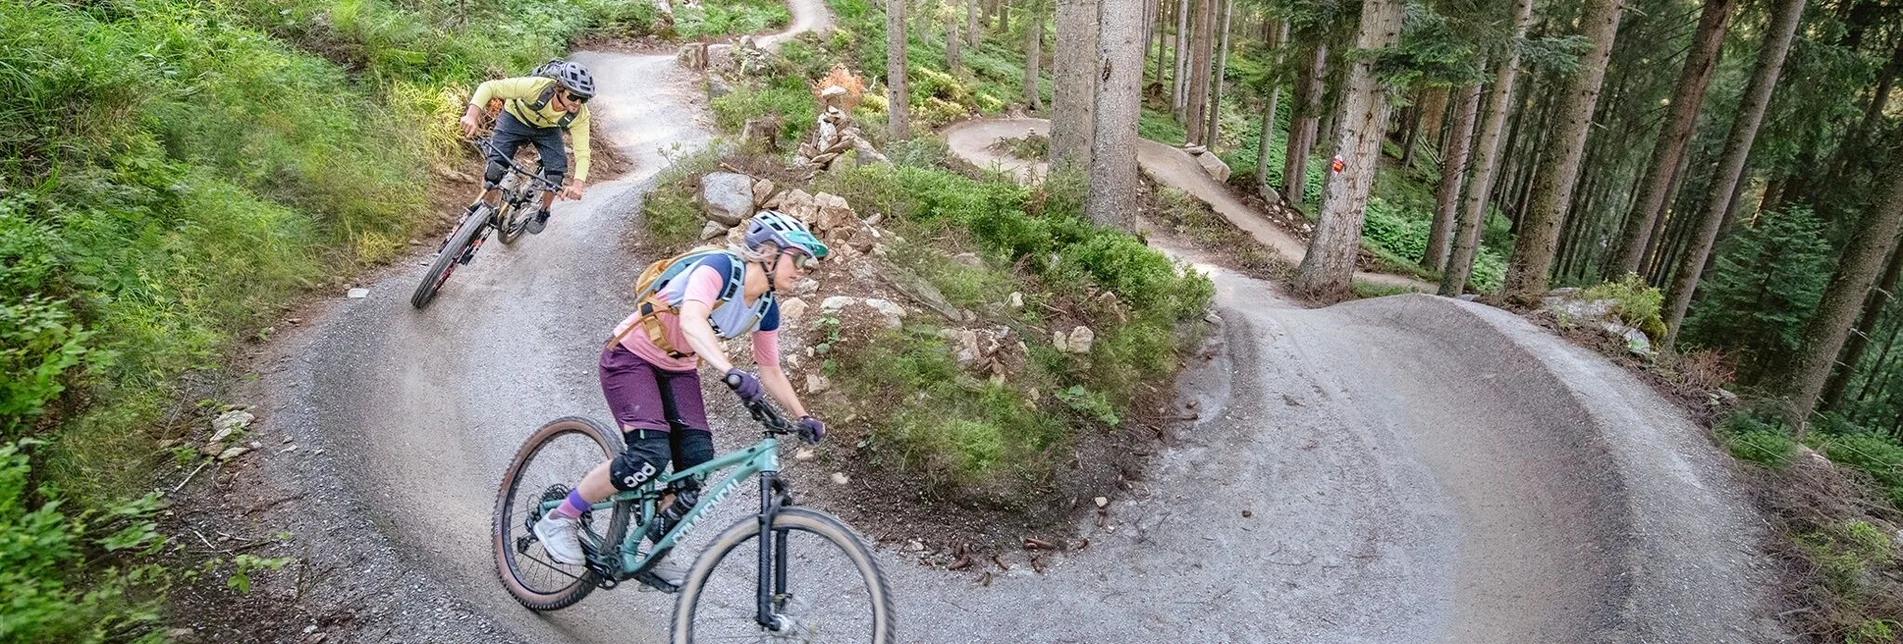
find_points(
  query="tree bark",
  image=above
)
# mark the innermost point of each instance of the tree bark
(1453, 169)
(1859, 340)
(1113, 157)
(1004, 17)
(973, 18)
(1201, 61)
(1559, 165)
(1725, 179)
(1473, 212)
(1213, 134)
(897, 89)
(1328, 269)
(1303, 125)
(1278, 41)
(1033, 52)
(1433, 111)
(1179, 85)
(1875, 238)
(1074, 68)
(1700, 61)
(954, 59)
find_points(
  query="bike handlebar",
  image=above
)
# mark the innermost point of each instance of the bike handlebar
(484, 143)
(770, 418)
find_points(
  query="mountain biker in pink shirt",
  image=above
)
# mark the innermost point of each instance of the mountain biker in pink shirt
(648, 373)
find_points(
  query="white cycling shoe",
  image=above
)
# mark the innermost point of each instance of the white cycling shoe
(561, 539)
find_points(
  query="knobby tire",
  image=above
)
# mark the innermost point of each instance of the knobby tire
(793, 518)
(446, 261)
(512, 502)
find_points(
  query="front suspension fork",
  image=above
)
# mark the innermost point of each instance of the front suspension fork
(772, 587)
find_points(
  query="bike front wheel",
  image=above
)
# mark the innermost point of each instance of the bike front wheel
(828, 586)
(448, 258)
(552, 459)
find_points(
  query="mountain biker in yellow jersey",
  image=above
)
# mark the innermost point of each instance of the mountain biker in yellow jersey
(536, 109)
(648, 371)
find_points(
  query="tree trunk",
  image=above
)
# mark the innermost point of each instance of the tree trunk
(1700, 61)
(973, 18)
(1473, 212)
(1328, 270)
(1113, 156)
(1875, 238)
(1725, 179)
(1411, 134)
(1202, 59)
(1303, 125)
(1453, 169)
(1277, 41)
(1559, 165)
(1074, 67)
(897, 90)
(1859, 340)
(1328, 131)
(1160, 33)
(1004, 17)
(1179, 85)
(1213, 134)
(1033, 51)
(953, 58)
(1433, 111)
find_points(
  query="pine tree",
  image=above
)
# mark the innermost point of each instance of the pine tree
(1872, 241)
(1764, 285)
(1328, 269)
(897, 92)
(1074, 72)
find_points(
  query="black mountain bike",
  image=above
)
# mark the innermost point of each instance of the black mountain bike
(519, 188)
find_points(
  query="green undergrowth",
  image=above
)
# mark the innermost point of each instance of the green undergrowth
(172, 175)
(995, 440)
(711, 18)
(670, 214)
(1634, 302)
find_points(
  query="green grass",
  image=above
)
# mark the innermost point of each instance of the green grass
(172, 175)
(729, 17)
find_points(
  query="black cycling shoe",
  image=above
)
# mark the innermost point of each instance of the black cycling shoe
(537, 223)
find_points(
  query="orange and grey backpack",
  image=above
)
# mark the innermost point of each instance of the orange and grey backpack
(654, 281)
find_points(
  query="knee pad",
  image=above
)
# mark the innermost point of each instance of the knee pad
(691, 447)
(644, 458)
(492, 175)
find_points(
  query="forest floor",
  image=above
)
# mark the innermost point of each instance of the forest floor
(1464, 475)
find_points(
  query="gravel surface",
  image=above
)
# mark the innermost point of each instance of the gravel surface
(1399, 470)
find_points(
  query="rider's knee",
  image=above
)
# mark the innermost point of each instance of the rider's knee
(644, 458)
(492, 175)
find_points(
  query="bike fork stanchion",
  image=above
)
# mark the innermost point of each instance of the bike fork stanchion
(763, 605)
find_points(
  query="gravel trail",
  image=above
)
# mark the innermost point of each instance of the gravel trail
(1408, 469)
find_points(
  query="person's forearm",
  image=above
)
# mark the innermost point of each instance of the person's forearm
(782, 389)
(700, 336)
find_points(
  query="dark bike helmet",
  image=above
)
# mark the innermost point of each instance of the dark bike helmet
(571, 75)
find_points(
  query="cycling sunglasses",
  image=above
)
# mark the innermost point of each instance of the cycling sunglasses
(801, 259)
(576, 98)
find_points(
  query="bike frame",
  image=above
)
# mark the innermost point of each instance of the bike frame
(761, 459)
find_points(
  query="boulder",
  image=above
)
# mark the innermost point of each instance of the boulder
(1575, 310)
(762, 133)
(816, 383)
(894, 314)
(1016, 300)
(692, 56)
(833, 213)
(711, 230)
(793, 308)
(762, 191)
(797, 203)
(1635, 340)
(1213, 165)
(1080, 340)
(726, 197)
(229, 423)
(836, 302)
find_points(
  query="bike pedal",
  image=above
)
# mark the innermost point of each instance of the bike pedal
(650, 580)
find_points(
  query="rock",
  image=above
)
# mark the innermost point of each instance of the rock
(836, 302)
(1213, 165)
(797, 203)
(1195, 150)
(1101, 501)
(717, 87)
(816, 383)
(867, 153)
(357, 293)
(922, 291)
(834, 214)
(1060, 341)
(1575, 310)
(915, 546)
(228, 423)
(762, 134)
(969, 259)
(1212, 318)
(1635, 340)
(736, 235)
(840, 478)
(711, 230)
(763, 190)
(894, 314)
(966, 348)
(1016, 300)
(803, 454)
(727, 197)
(692, 56)
(863, 239)
(1081, 339)
(793, 308)
(232, 453)
(806, 287)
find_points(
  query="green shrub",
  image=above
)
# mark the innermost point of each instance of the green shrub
(670, 213)
(1872, 454)
(1760, 291)
(1753, 439)
(1635, 303)
(794, 106)
(728, 17)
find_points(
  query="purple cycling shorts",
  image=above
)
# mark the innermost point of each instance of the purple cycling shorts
(642, 396)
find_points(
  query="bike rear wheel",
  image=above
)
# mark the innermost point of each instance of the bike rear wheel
(835, 591)
(553, 458)
(450, 255)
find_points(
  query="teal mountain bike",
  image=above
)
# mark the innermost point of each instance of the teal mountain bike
(813, 580)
